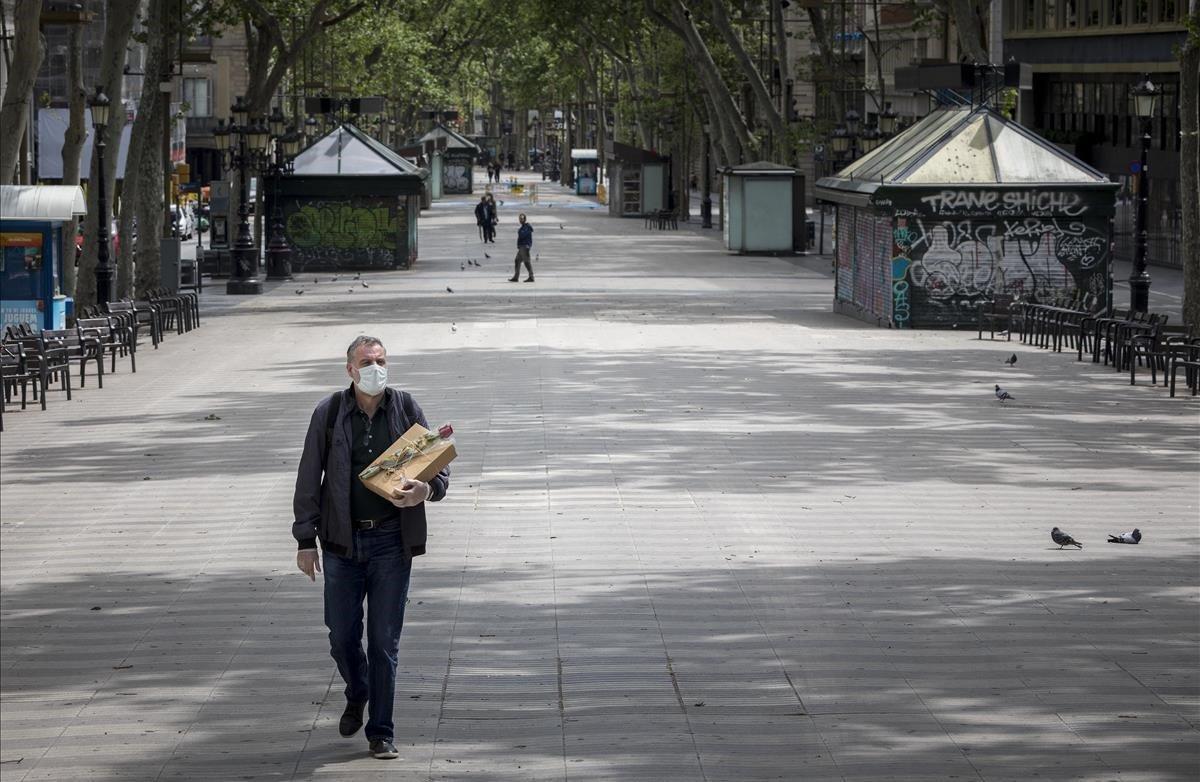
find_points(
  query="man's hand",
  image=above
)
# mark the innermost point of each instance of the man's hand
(309, 562)
(411, 493)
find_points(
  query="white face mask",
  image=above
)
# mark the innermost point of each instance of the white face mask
(372, 379)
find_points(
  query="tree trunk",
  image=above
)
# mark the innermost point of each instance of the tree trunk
(27, 59)
(1189, 157)
(781, 56)
(112, 64)
(829, 60)
(766, 105)
(734, 130)
(73, 145)
(966, 17)
(143, 197)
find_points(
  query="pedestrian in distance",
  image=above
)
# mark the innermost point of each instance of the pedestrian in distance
(524, 245)
(492, 217)
(366, 542)
(481, 214)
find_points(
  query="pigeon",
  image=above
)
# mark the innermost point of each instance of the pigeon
(358, 276)
(1001, 394)
(300, 292)
(349, 290)
(334, 279)
(1134, 537)
(462, 266)
(480, 265)
(453, 327)
(360, 282)
(449, 289)
(315, 281)
(560, 226)
(485, 255)
(1063, 539)
(1011, 359)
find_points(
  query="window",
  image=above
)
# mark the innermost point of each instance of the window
(1029, 15)
(198, 95)
(1114, 12)
(1140, 12)
(1050, 15)
(1167, 10)
(1091, 13)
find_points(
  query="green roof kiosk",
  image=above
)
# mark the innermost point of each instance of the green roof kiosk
(963, 206)
(757, 205)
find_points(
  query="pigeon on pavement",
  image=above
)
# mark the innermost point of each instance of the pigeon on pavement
(1011, 359)
(485, 255)
(560, 226)
(300, 292)
(1134, 537)
(364, 284)
(1063, 539)
(449, 289)
(1002, 395)
(462, 266)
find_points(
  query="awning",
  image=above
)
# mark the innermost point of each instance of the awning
(584, 154)
(41, 203)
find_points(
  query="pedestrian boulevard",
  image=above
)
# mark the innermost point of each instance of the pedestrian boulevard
(700, 528)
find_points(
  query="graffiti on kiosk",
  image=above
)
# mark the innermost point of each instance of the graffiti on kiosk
(343, 226)
(942, 268)
(1001, 202)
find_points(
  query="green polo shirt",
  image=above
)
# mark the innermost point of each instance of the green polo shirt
(369, 439)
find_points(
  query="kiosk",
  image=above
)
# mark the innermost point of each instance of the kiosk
(637, 180)
(757, 206)
(964, 206)
(586, 163)
(351, 203)
(32, 253)
(454, 165)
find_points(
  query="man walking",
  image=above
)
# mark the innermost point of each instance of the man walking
(482, 217)
(367, 542)
(524, 245)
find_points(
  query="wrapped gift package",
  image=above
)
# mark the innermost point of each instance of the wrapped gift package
(427, 463)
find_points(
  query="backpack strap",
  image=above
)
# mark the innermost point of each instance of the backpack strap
(331, 415)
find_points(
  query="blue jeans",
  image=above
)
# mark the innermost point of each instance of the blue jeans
(379, 572)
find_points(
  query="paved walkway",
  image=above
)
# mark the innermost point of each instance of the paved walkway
(701, 529)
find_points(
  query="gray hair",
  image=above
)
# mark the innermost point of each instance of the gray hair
(359, 342)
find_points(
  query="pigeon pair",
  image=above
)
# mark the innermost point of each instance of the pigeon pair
(1063, 539)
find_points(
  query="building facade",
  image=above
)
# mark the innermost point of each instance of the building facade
(1086, 56)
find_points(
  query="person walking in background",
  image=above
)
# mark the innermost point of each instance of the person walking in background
(524, 245)
(367, 542)
(481, 213)
(493, 217)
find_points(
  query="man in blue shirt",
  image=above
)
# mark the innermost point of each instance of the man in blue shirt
(524, 245)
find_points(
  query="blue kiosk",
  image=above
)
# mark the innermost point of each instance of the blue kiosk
(32, 250)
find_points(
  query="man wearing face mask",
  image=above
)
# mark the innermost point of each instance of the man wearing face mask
(367, 541)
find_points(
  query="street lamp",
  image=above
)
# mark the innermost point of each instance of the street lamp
(1145, 96)
(870, 139)
(244, 147)
(706, 201)
(887, 120)
(104, 269)
(279, 252)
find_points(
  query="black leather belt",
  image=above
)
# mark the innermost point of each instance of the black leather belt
(360, 524)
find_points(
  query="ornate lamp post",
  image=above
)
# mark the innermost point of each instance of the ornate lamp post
(279, 253)
(1145, 96)
(852, 121)
(887, 120)
(104, 269)
(871, 138)
(245, 146)
(706, 201)
(840, 141)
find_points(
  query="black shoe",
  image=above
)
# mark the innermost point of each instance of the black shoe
(513, 279)
(383, 749)
(351, 718)
(529, 280)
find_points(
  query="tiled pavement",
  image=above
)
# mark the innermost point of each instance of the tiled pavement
(701, 528)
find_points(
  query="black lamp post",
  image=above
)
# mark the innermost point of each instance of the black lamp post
(839, 140)
(245, 152)
(706, 201)
(1145, 95)
(887, 121)
(104, 269)
(279, 252)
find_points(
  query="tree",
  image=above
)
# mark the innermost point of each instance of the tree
(118, 28)
(28, 51)
(73, 141)
(1189, 158)
(143, 197)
